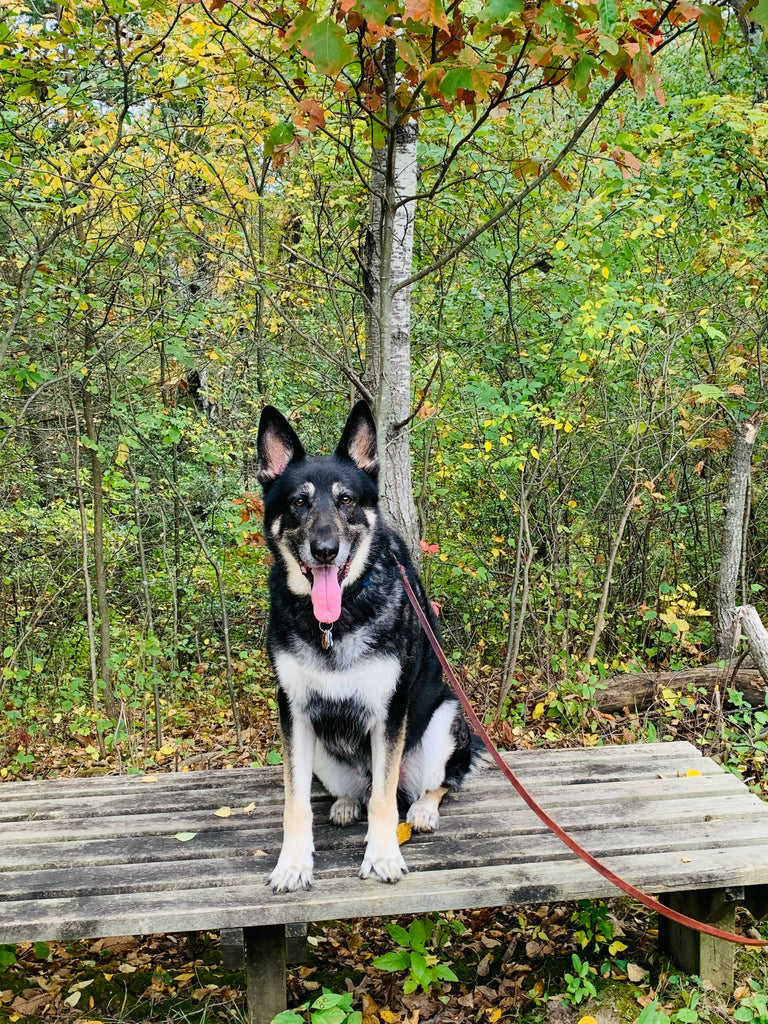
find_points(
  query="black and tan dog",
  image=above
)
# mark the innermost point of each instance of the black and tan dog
(363, 704)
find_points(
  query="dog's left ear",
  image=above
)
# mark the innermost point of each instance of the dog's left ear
(277, 445)
(358, 441)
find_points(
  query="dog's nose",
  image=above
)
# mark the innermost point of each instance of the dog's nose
(324, 547)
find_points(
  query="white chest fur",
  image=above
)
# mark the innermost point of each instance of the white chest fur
(370, 681)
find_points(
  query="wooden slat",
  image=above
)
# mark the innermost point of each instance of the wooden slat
(341, 897)
(99, 857)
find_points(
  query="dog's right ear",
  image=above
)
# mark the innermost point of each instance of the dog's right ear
(278, 445)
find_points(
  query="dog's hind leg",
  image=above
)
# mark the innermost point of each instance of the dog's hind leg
(346, 783)
(424, 814)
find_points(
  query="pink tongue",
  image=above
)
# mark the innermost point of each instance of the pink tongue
(326, 593)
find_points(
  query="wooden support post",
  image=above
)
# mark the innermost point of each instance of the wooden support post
(709, 958)
(265, 971)
(232, 948)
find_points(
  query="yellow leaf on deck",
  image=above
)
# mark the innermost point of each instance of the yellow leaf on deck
(403, 835)
(693, 771)
(223, 812)
(149, 778)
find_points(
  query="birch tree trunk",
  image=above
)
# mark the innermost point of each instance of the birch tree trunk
(733, 533)
(394, 175)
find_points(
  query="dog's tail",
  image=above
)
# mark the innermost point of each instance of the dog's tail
(479, 757)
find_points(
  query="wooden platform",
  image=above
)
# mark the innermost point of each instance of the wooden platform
(96, 857)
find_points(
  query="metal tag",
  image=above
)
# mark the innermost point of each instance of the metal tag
(326, 640)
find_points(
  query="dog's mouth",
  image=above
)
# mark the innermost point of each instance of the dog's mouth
(326, 583)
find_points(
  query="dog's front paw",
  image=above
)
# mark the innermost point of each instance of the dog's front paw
(387, 867)
(423, 816)
(290, 875)
(345, 811)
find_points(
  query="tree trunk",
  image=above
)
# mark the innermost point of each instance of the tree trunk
(639, 690)
(388, 317)
(757, 637)
(733, 533)
(99, 566)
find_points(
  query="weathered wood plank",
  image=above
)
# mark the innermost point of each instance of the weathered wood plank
(425, 854)
(419, 892)
(623, 758)
(480, 796)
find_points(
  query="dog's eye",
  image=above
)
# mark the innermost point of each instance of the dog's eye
(346, 499)
(300, 502)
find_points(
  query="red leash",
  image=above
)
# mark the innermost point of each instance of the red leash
(647, 901)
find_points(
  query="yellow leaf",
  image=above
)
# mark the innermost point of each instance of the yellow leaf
(149, 778)
(538, 711)
(251, 807)
(223, 812)
(403, 833)
(122, 454)
(606, 273)
(587, 1020)
(693, 771)
(388, 1017)
(535, 453)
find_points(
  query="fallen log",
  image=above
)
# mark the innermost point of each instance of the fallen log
(639, 690)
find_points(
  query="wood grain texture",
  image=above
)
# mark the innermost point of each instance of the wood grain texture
(100, 857)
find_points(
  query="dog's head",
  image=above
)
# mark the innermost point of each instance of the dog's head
(320, 513)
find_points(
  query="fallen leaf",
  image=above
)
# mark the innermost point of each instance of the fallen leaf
(403, 832)
(636, 973)
(251, 807)
(149, 778)
(693, 771)
(223, 812)
(184, 837)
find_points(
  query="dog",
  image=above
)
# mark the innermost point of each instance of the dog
(362, 701)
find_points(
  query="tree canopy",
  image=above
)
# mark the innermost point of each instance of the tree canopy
(199, 213)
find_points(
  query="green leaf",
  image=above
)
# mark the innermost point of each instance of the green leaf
(184, 837)
(420, 970)
(399, 934)
(759, 13)
(333, 1015)
(42, 950)
(497, 11)
(7, 957)
(280, 135)
(288, 1017)
(444, 972)
(417, 935)
(327, 47)
(397, 960)
(609, 14)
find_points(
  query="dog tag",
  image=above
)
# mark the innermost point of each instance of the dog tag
(326, 640)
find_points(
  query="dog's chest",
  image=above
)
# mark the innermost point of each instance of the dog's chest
(367, 684)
